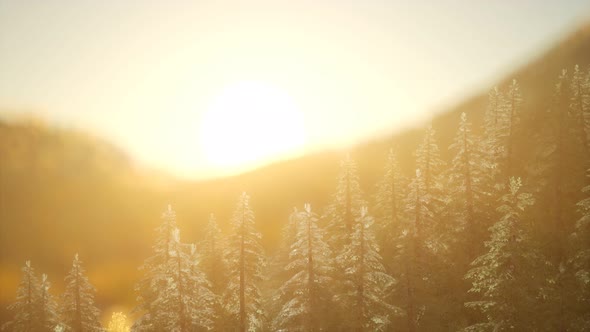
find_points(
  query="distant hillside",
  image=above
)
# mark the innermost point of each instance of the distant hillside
(63, 192)
(277, 188)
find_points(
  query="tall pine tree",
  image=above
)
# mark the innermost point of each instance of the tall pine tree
(186, 303)
(413, 252)
(304, 296)
(467, 185)
(341, 216)
(368, 282)
(431, 165)
(581, 263)
(78, 310)
(432, 171)
(154, 282)
(506, 278)
(26, 307)
(389, 205)
(510, 121)
(580, 106)
(245, 259)
(493, 120)
(346, 203)
(213, 265)
(48, 315)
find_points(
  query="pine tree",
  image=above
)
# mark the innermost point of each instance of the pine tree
(35, 308)
(174, 294)
(413, 252)
(492, 149)
(341, 215)
(559, 170)
(581, 264)
(389, 204)
(556, 178)
(466, 184)
(430, 163)
(580, 106)
(557, 159)
(202, 313)
(506, 278)
(368, 281)
(245, 259)
(279, 275)
(48, 315)
(26, 306)
(78, 310)
(154, 282)
(118, 323)
(436, 199)
(186, 303)
(303, 297)
(492, 143)
(510, 121)
(390, 193)
(586, 100)
(418, 213)
(213, 265)
(346, 203)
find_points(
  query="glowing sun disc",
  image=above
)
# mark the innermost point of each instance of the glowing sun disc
(248, 123)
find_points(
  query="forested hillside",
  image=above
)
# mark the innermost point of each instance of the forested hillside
(58, 184)
(478, 220)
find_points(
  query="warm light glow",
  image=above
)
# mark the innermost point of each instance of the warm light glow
(250, 123)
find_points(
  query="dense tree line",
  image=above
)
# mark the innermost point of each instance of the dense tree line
(36, 309)
(474, 243)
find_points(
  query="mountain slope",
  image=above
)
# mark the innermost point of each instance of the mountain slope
(312, 178)
(62, 192)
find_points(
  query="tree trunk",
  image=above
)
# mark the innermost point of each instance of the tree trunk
(242, 277)
(361, 280)
(418, 221)
(78, 321)
(560, 231)
(469, 196)
(427, 169)
(310, 278)
(182, 314)
(582, 119)
(410, 294)
(393, 200)
(348, 216)
(29, 322)
(510, 138)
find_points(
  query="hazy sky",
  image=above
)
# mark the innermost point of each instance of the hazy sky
(144, 74)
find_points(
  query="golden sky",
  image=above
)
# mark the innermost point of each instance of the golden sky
(204, 88)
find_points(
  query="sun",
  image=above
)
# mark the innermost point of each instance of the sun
(249, 123)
